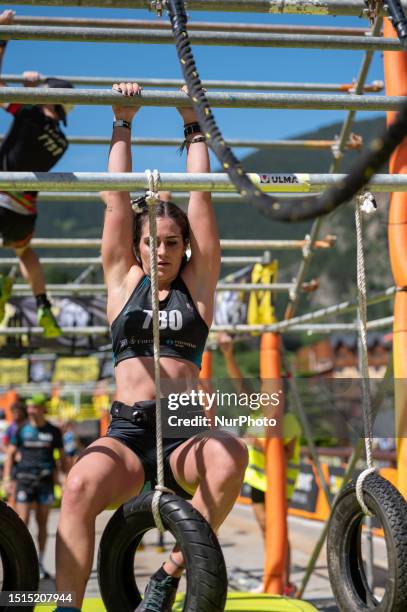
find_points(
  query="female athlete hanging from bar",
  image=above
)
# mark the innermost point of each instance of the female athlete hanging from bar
(209, 467)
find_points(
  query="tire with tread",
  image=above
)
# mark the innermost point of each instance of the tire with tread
(345, 564)
(18, 556)
(205, 566)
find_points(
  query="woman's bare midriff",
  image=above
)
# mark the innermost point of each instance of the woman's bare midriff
(135, 378)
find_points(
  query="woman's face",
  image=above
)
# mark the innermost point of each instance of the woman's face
(170, 248)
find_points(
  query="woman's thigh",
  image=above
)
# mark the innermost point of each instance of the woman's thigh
(204, 454)
(106, 472)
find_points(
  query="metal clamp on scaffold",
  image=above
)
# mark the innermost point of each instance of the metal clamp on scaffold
(157, 6)
(372, 10)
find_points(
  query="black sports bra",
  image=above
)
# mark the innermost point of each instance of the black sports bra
(183, 332)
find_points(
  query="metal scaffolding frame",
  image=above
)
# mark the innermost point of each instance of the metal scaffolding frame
(95, 262)
(173, 181)
(226, 244)
(355, 8)
(375, 86)
(354, 143)
(91, 289)
(179, 99)
(161, 37)
(194, 25)
(318, 328)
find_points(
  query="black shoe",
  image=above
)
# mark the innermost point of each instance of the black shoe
(159, 595)
(44, 575)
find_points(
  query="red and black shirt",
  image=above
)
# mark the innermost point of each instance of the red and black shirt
(34, 143)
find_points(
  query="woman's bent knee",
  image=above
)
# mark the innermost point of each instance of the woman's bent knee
(79, 495)
(228, 455)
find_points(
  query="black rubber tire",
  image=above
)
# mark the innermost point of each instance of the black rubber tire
(345, 564)
(18, 556)
(205, 566)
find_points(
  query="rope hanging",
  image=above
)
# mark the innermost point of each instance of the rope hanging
(152, 198)
(362, 203)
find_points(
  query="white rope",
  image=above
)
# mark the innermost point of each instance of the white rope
(362, 323)
(152, 198)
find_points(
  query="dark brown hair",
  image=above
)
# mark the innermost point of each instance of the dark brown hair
(164, 209)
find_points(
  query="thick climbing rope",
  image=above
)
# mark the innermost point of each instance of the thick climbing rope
(363, 203)
(289, 209)
(152, 198)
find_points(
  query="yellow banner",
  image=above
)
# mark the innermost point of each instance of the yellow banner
(13, 371)
(76, 369)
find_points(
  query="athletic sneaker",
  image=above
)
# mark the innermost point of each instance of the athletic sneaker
(48, 322)
(290, 590)
(159, 595)
(6, 285)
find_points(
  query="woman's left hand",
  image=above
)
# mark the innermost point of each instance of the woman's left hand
(187, 113)
(126, 112)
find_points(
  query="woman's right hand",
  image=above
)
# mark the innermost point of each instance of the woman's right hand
(126, 112)
(7, 17)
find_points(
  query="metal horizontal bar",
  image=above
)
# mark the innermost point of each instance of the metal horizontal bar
(43, 95)
(125, 181)
(66, 243)
(335, 309)
(70, 288)
(66, 331)
(102, 330)
(279, 7)
(233, 142)
(88, 261)
(375, 86)
(380, 323)
(192, 25)
(247, 39)
(227, 244)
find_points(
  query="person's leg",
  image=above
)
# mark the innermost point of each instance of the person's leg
(23, 510)
(33, 272)
(6, 286)
(106, 472)
(260, 514)
(41, 515)
(11, 497)
(213, 465)
(31, 269)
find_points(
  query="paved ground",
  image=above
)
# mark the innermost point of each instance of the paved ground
(243, 550)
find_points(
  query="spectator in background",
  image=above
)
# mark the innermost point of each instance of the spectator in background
(3, 428)
(34, 143)
(255, 475)
(19, 413)
(72, 445)
(35, 441)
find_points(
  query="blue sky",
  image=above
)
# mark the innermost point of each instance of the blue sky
(161, 61)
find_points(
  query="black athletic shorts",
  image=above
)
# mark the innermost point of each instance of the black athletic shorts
(34, 489)
(16, 229)
(140, 438)
(257, 496)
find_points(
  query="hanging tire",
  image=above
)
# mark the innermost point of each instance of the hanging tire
(344, 554)
(18, 556)
(205, 566)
